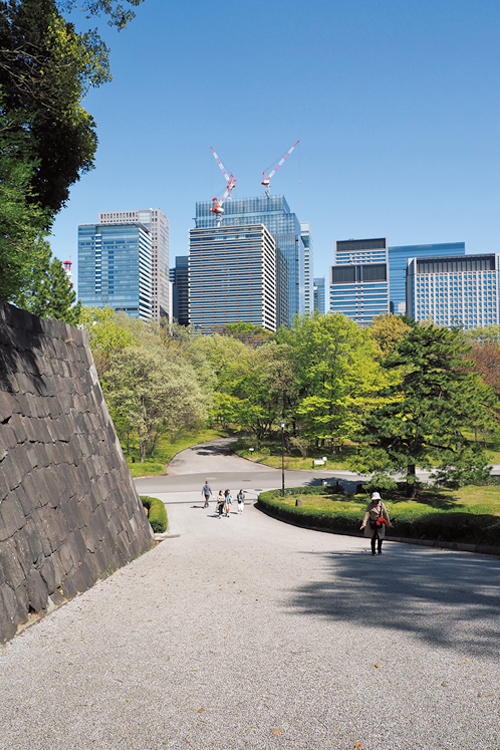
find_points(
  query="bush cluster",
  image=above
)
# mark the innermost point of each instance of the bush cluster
(156, 513)
(446, 526)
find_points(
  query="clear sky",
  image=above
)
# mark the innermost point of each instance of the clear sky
(396, 104)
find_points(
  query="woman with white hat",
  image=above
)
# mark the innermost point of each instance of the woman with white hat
(375, 520)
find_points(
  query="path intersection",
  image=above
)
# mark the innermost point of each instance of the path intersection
(246, 632)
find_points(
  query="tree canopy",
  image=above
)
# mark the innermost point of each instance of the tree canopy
(427, 415)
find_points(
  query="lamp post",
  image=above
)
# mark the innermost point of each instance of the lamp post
(282, 425)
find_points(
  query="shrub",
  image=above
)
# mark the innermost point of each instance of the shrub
(156, 513)
(346, 513)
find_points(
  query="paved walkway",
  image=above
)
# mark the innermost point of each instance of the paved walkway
(247, 633)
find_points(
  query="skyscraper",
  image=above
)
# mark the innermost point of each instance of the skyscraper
(305, 233)
(319, 295)
(157, 223)
(232, 277)
(274, 213)
(359, 280)
(114, 267)
(460, 291)
(398, 261)
(179, 276)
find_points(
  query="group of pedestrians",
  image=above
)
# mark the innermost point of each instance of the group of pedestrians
(224, 500)
(374, 524)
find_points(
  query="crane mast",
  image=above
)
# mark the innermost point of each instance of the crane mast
(231, 184)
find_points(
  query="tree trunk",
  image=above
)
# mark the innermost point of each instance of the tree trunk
(411, 483)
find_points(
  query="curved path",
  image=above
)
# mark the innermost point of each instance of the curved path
(247, 633)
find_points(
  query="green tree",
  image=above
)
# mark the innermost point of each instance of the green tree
(47, 139)
(336, 376)
(156, 395)
(427, 415)
(48, 292)
(106, 335)
(20, 222)
(388, 330)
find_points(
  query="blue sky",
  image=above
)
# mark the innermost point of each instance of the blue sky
(396, 105)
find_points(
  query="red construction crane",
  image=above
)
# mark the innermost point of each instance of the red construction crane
(230, 179)
(231, 184)
(217, 205)
(267, 179)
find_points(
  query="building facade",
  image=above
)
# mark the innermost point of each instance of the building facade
(158, 225)
(359, 280)
(233, 274)
(305, 234)
(273, 212)
(179, 276)
(319, 295)
(398, 261)
(460, 291)
(114, 267)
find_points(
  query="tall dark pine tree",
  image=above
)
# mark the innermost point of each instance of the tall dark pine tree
(429, 415)
(49, 293)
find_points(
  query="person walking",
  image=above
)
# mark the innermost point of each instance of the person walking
(207, 492)
(228, 501)
(375, 521)
(241, 501)
(220, 503)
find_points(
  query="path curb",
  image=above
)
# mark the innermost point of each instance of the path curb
(480, 549)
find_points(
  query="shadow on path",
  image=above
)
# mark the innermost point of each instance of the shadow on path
(447, 600)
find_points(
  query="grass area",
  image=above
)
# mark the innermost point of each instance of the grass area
(470, 514)
(165, 451)
(270, 454)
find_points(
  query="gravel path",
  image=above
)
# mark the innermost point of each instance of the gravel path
(244, 632)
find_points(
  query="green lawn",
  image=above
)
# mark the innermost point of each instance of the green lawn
(165, 451)
(270, 454)
(470, 514)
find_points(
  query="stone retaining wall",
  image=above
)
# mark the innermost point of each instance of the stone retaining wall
(69, 512)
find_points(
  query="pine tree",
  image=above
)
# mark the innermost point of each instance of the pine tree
(428, 416)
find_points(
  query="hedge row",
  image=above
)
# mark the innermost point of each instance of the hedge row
(156, 513)
(445, 526)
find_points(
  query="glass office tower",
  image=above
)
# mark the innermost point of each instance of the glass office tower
(274, 213)
(232, 277)
(398, 261)
(305, 233)
(114, 267)
(319, 295)
(461, 291)
(179, 276)
(158, 225)
(359, 280)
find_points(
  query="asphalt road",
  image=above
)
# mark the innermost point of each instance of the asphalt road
(246, 633)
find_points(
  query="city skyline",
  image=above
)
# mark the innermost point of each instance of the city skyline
(422, 170)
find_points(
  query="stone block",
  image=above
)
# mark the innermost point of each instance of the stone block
(37, 591)
(29, 547)
(54, 527)
(41, 534)
(8, 438)
(25, 502)
(20, 459)
(11, 472)
(63, 555)
(11, 517)
(57, 598)
(68, 587)
(11, 571)
(77, 546)
(9, 610)
(52, 573)
(6, 406)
